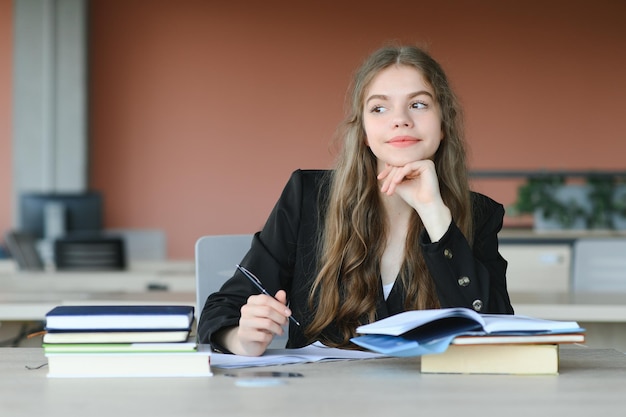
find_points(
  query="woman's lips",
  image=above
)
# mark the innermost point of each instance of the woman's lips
(403, 141)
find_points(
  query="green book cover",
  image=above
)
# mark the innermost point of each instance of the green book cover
(118, 347)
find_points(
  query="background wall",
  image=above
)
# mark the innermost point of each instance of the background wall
(200, 110)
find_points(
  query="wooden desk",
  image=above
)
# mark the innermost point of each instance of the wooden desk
(591, 383)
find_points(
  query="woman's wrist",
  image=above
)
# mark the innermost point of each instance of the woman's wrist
(225, 339)
(436, 220)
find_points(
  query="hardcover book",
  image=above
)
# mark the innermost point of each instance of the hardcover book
(130, 364)
(120, 317)
(108, 336)
(520, 359)
(531, 339)
(119, 347)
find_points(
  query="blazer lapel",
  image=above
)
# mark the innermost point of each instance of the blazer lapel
(394, 303)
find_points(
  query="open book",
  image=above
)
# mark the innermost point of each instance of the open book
(420, 332)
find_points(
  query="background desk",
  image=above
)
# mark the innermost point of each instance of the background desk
(549, 276)
(26, 297)
(591, 383)
(603, 315)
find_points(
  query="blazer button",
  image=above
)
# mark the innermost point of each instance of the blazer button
(478, 305)
(463, 281)
(447, 253)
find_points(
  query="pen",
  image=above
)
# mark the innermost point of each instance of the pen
(257, 283)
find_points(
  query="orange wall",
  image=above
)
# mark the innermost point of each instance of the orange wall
(6, 79)
(201, 109)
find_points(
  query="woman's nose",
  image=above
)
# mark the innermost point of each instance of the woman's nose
(402, 119)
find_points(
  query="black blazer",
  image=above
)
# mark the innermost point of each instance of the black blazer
(283, 255)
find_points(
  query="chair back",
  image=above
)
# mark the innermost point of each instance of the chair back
(599, 264)
(22, 247)
(216, 257)
(142, 244)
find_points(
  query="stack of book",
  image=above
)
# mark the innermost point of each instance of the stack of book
(123, 341)
(459, 340)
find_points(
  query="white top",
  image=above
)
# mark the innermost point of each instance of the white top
(387, 289)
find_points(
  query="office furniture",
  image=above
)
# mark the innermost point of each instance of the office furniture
(216, 257)
(591, 382)
(603, 315)
(89, 253)
(538, 266)
(26, 296)
(599, 264)
(570, 276)
(142, 244)
(68, 252)
(23, 249)
(48, 215)
(564, 261)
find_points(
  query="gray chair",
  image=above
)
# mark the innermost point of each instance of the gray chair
(599, 264)
(216, 257)
(22, 247)
(142, 244)
(216, 260)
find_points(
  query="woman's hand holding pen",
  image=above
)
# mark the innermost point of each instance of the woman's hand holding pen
(417, 184)
(262, 317)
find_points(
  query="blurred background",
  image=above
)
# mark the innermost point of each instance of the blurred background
(188, 116)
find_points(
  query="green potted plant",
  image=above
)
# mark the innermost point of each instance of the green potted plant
(599, 203)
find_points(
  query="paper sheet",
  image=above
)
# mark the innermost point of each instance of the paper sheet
(315, 352)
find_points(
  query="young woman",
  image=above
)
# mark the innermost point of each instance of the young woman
(393, 227)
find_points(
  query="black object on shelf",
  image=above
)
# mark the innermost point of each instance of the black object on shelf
(93, 253)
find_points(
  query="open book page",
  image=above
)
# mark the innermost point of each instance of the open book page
(402, 347)
(519, 339)
(505, 323)
(403, 322)
(315, 352)
(461, 320)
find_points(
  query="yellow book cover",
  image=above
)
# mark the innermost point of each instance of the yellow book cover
(518, 359)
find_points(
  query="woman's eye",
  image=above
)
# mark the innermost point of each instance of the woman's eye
(378, 109)
(419, 105)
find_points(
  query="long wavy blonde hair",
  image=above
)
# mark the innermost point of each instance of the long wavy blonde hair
(354, 233)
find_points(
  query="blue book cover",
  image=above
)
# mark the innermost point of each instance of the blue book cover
(119, 317)
(399, 346)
